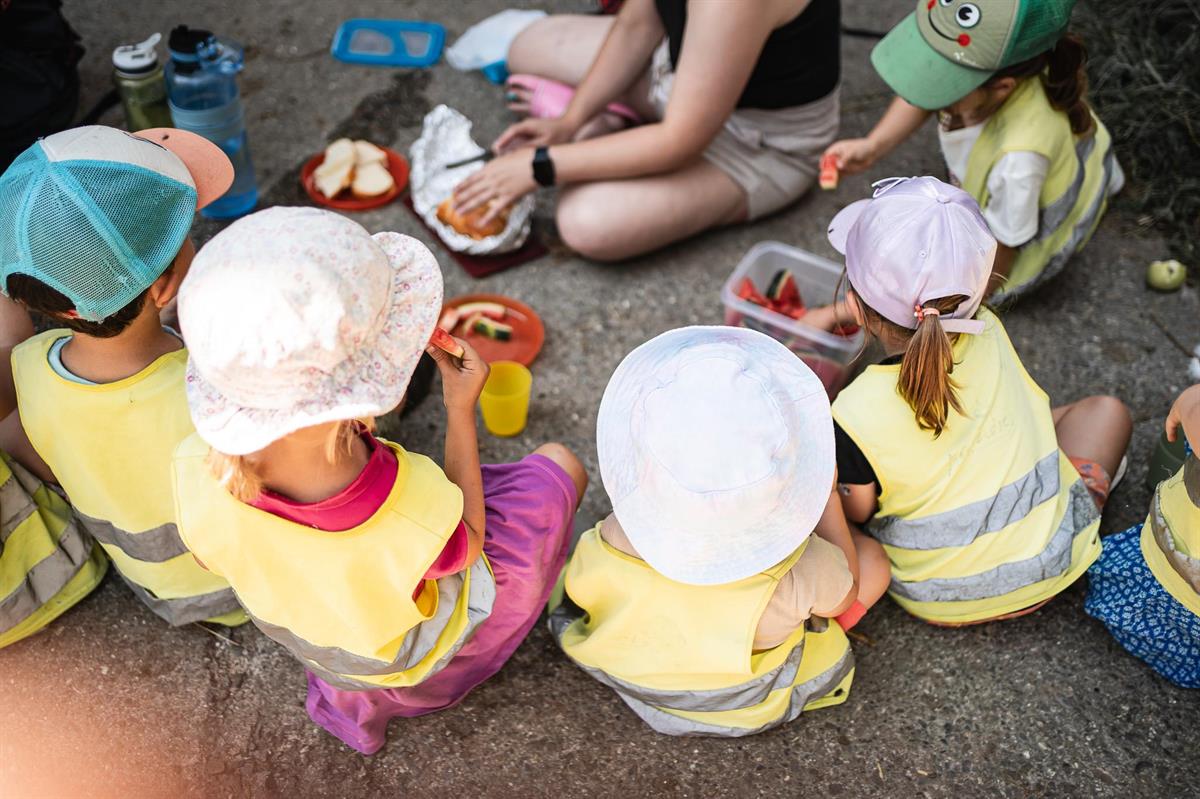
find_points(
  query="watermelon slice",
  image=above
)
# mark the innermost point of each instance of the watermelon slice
(783, 290)
(829, 172)
(492, 310)
(446, 343)
(485, 326)
(847, 330)
(749, 293)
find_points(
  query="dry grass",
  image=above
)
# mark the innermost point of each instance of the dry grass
(1145, 84)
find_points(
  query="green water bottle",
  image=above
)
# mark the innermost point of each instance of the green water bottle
(139, 80)
(1166, 459)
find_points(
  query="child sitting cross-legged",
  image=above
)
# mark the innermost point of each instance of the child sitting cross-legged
(707, 599)
(94, 226)
(986, 499)
(1145, 587)
(398, 584)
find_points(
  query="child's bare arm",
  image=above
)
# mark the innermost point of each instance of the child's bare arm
(15, 327)
(1186, 413)
(14, 441)
(833, 528)
(461, 385)
(899, 122)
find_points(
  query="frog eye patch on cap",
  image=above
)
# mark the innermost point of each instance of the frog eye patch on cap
(948, 48)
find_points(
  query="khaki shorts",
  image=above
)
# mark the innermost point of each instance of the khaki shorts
(772, 154)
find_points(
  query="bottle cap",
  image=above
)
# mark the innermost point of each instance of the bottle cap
(137, 58)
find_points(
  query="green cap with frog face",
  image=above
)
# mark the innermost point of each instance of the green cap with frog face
(947, 48)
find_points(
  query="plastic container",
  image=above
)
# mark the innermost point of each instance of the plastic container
(827, 354)
(203, 95)
(138, 76)
(505, 398)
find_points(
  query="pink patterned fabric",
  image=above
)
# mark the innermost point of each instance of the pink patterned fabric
(530, 506)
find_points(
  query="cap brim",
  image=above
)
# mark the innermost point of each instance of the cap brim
(839, 228)
(209, 167)
(920, 74)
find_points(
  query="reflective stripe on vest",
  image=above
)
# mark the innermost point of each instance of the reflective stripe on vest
(46, 562)
(335, 666)
(995, 519)
(342, 602)
(1074, 194)
(1175, 507)
(1053, 561)
(630, 608)
(110, 446)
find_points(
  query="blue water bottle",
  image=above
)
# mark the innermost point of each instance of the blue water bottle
(202, 92)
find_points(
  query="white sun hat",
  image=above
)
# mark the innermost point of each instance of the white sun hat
(716, 450)
(298, 316)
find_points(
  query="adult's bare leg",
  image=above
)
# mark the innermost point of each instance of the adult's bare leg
(562, 47)
(613, 220)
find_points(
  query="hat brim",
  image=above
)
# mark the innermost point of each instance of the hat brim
(918, 73)
(371, 383)
(713, 549)
(210, 168)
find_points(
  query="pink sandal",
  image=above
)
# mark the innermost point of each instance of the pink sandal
(550, 98)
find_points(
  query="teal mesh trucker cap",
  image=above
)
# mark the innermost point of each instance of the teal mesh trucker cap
(98, 214)
(948, 48)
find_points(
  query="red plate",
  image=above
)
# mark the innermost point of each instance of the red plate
(528, 331)
(347, 201)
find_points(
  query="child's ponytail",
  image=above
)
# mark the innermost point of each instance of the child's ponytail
(1063, 72)
(925, 369)
(1066, 83)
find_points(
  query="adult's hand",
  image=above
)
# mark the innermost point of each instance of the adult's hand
(534, 133)
(498, 185)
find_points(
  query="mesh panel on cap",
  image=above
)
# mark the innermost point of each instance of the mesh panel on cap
(100, 232)
(1041, 25)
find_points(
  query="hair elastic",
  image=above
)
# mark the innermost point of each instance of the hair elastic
(921, 313)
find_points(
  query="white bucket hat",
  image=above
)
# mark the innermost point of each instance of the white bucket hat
(298, 316)
(716, 450)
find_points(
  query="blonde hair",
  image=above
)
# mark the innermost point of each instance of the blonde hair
(928, 362)
(240, 474)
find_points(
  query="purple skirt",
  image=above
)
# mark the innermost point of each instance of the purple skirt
(530, 506)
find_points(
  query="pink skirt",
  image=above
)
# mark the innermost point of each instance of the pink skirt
(530, 507)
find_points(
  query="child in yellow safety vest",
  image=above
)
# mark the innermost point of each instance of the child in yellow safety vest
(94, 226)
(398, 585)
(704, 600)
(1145, 587)
(1009, 87)
(986, 499)
(47, 562)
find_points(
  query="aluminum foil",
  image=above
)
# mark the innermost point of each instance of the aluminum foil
(446, 138)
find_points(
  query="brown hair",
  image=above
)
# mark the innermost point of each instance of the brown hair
(928, 363)
(240, 474)
(37, 296)
(1063, 72)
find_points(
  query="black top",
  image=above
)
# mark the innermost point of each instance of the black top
(853, 467)
(799, 63)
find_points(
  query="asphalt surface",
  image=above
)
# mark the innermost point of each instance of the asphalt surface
(110, 702)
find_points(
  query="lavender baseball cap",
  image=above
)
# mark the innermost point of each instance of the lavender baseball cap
(917, 239)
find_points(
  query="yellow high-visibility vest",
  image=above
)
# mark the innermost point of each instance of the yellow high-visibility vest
(988, 518)
(681, 656)
(342, 602)
(1075, 193)
(1170, 537)
(110, 447)
(47, 563)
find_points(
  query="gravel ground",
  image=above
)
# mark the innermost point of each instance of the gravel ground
(109, 702)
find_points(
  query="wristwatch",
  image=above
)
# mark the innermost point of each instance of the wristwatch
(543, 167)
